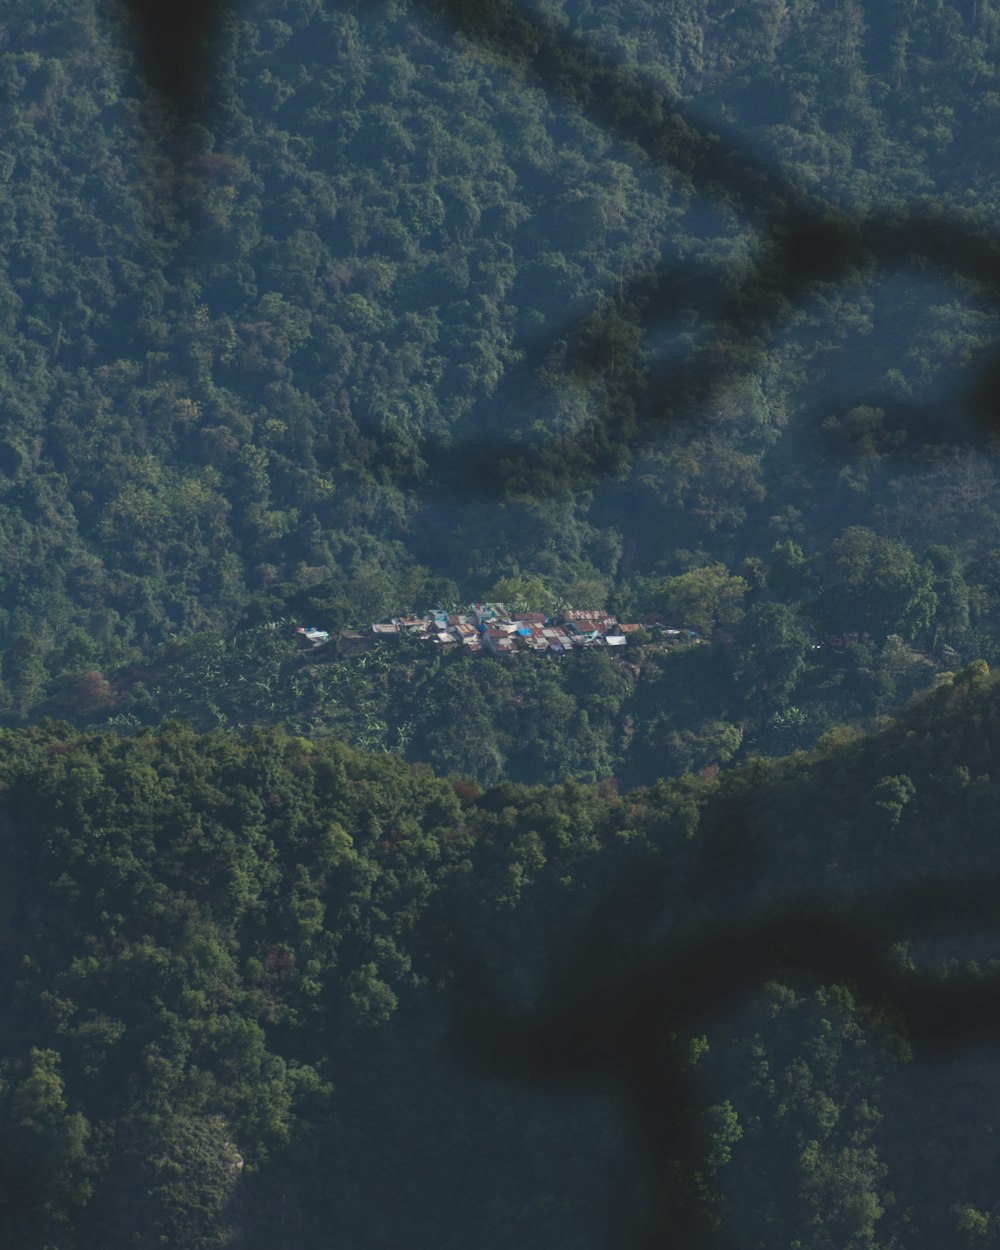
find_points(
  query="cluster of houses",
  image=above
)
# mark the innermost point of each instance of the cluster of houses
(490, 629)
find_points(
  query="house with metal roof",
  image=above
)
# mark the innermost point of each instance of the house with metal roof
(488, 628)
(315, 637)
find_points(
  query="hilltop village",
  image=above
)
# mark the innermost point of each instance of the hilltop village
(488, 628)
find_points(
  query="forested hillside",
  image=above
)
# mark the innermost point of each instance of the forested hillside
(421, 306)
(272, 992)
(684, 311)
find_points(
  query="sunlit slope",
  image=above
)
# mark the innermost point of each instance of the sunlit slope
(237, 976)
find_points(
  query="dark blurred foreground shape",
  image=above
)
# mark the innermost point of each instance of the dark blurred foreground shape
(176, 47)
(618, 1010)
(808, 239)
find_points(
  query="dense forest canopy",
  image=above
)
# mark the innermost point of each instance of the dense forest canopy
(238, 976)
(409, 310)
(682, 311)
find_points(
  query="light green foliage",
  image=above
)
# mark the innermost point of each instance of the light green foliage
(703, 599)
(725, 1131)
(975, 673)
(890, 797)
(521, 594)
(976, 1228)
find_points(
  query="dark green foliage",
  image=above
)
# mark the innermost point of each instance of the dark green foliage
(423, 311)
(268, 366)
(874, 585)
(772, 653)
(227, 1008)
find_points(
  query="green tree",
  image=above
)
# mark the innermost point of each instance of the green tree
(951, 615)
(521, 593)
(890, 798)
(871, 584)
(786, 574)
(771, 650)
(24, 672)
(703, 598)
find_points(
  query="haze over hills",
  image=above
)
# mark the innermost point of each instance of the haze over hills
(400, 322)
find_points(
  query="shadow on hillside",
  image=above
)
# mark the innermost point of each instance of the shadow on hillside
(616, 1013)
(805, 238)
(612, 1029)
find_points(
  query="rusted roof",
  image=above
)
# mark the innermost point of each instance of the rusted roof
(593, 614)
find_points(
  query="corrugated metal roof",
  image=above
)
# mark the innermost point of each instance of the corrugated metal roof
(586, 614)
